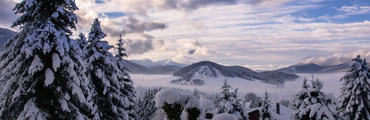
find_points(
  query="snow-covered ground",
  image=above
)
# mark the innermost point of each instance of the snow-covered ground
(332, 84)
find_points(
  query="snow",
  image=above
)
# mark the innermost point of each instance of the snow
(169, 96)
(49, 77)
(56, 61)
(36, 65)
(290, 88)
(31, 112)
(207, 105)
(190, 101)
(285, 112)
(224, 116)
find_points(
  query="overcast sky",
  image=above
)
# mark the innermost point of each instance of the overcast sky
(259, 34)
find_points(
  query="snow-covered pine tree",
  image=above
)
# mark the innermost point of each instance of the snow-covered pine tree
(229, 103)
(354, 101)
(297, 99)
(223, 104)
(315, 105)
(81, 40)
(120, 49)
(129, 90)
(146, 106)
(41, 69)
(265, 112)
(104, 73)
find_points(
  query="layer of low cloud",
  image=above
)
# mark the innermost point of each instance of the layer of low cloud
(338, 58)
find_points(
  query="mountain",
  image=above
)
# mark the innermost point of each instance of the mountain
(314, 68)
(135, 68)
(302, 68)
(197, 73)
(336, 68)
(5, 35)
(275, 77)
(158, 63)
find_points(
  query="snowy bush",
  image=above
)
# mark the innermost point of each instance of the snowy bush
(209, 108)
(253, 99)
(224, 116)
(175, 104)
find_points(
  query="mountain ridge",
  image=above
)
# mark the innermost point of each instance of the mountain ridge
(5, 35)
(208, 69)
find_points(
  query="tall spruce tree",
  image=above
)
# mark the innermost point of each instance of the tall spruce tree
(354, 101)
(299, 97)
(41, 67)
(265, 108)
(128, 89)
(229, 103)
(81, 40)
(121, 51)
(109, 81)
(314, 104)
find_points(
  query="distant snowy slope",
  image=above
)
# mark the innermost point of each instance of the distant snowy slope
(315, 68)
(140, 69)
(302, 68)
(136, 68)
(277, 76)
(198, 72)
(336, 68)
(227, 71)
(167, 69)
(5, 35)
(158, 63)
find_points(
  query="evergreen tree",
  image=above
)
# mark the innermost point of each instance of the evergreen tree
(81, 40)
(265, 112)
(299, 97)
(146, 106)
(41, 67)
(229, 103)
(314, 104)
(128, 90)
(354, 101)
(120, 49)
(111, 84)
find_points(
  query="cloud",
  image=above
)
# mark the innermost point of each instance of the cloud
(191, 52)
(346, 11)
(130, 27)
(144, 6)
(338, 58)
(192, 47)
(130, 24)
(195, 4)
(6, 13)
(141, 43)
(354, 10)
(267, 3)
(183, 59)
